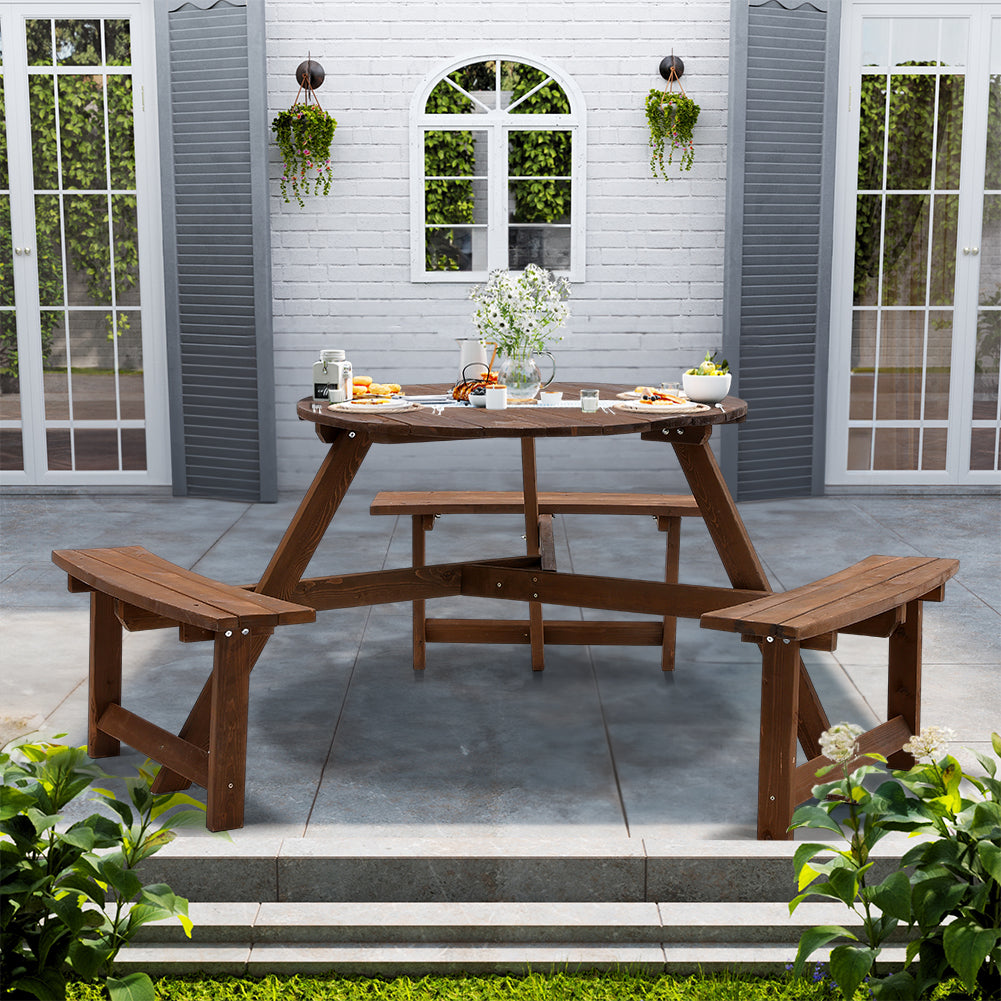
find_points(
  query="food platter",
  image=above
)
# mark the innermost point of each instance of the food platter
(661, 406)
(376, 405)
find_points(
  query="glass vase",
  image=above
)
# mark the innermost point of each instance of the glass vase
(522, 376)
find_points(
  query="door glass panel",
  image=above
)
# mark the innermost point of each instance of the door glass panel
(55, 361)
(905, 250)
(938, 366)
(949, 137)
(117, 43)
(911, 124)
(933, 448)
(96, 448)
(81, 132)
(42, 106)
(11, 445)
(38, 35)
(130, 365)
(78, 42)
(121, 137)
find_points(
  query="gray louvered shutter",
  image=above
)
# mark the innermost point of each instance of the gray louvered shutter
(779, 225)
(214, 147)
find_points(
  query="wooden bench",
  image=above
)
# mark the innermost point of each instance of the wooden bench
(131, 587)
(424, 507)
(880, 596)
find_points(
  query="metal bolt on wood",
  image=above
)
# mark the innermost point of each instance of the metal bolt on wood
(229, 632)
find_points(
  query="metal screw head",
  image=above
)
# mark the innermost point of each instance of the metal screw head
(499, 584)
(231, 786)
(245, 632)
(351, 434)
(769, 639)
(229, 632)
(534, 595)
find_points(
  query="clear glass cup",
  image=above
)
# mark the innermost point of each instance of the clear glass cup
(589, 401)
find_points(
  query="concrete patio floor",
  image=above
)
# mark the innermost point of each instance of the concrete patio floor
(351, 752)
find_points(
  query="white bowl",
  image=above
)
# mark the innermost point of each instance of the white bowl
(706, 388)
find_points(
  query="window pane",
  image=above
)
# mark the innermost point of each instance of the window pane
(945, 236)
(89, 266)
(81, 132)
(10, 387)
(875, 41)
(984, 448)
(911, 121)
(451, 154)
(59, 449)
(49, 250)
(872, 126)
(42, 102)
(448, 202)
(990, 252)
(863, 364)
(458, 248)
(539, 200)
(92, 357)
(868, 226)
(78, 43)
(547, 246)
(859, 448)
(933, 448)
(38, 35)
(4, 183)
(480, 81)
(938, 373)
(955, 36)
(54, 352)
(126, 249)
(11, 450)
(521, 80)
(121, 134)
(117, 43)
(6, 254)
(915, 41)
(905, 250)
(539, 153)
(446, 100)
(130, 366)
(96, 449)
(992, 175)
(950, 132)
(985, 365)
(133, 448)
(899, 378)
(896, 448)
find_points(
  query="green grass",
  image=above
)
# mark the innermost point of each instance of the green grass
(531, 987)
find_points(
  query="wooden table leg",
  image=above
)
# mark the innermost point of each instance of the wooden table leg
(671, 526)
(105, 672)
(777, 742)
(310, 521)
(729, 535)
(421, 525)
(903, 694)
(531, 494)
(228, 731)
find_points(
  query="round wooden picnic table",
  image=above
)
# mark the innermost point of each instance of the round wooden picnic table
(426, 423)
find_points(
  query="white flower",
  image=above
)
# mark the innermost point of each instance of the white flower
(930, 743)
(839, 742)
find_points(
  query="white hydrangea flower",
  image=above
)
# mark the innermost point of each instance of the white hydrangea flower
(839, 743)
(931, 743)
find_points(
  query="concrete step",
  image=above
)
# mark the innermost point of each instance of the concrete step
(416, 938)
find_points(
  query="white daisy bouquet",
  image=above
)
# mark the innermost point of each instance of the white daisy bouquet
(521, 312)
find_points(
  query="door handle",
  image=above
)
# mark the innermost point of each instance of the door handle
(22, 250)
(973, 251)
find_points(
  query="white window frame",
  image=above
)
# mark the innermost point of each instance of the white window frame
(496, 123)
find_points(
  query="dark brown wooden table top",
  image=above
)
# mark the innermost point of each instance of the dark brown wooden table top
(515, 422)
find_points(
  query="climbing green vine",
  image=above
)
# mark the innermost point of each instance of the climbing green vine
(303, 135)
(671, 119)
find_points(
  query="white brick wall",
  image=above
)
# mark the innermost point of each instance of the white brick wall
(651, 303)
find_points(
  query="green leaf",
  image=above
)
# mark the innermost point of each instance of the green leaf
(124, 881)
(87, 957)
(996, 743)
(814, 817)
(990, 858)
(845, 883)
(898, 986)
(45, 985)
(849, 966)
(966, 947)
(131, 987)
(893, 896)
(812, 939)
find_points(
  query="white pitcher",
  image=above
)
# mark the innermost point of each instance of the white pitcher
(472, 349)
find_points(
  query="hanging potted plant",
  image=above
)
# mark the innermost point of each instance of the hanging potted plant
(672, 119)
(304, 134)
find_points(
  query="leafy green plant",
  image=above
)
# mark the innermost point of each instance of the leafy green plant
(948, 888)
(70, 898)
(671, 119)
(304, 134)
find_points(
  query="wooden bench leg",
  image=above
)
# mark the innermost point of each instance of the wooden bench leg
(421, 523)
(777, 749)
(531, 495)
(903, 694)
(671, 526)
(105, 672)
(228, 731)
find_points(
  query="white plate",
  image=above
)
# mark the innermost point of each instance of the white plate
(634, 394)
(387, 406)
(659, 408)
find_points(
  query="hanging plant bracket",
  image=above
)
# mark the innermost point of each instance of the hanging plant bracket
(671, 118)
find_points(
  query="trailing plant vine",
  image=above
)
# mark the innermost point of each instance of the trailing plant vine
(303, 135)
(671, 118)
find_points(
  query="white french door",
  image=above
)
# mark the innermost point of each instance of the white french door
(82, 357)
(916, 302)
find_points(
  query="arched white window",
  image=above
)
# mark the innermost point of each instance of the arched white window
(497, 171)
